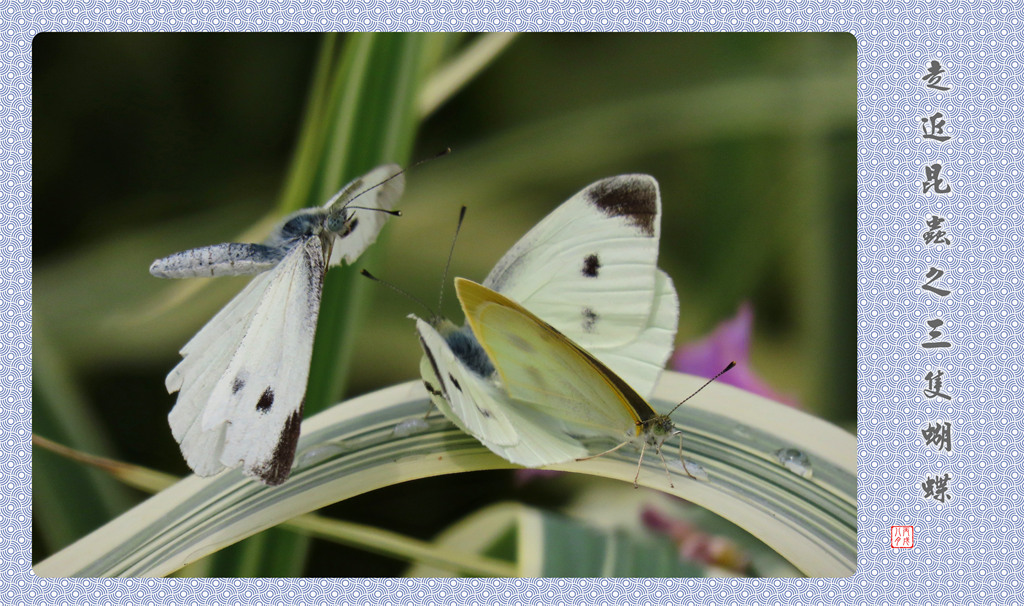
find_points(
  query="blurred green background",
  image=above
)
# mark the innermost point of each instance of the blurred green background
(146, 144)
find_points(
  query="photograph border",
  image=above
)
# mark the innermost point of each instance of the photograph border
(966, 544)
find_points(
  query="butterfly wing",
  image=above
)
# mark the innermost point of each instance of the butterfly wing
(482, 409)
(387, 183)
(204, 359)
(540, 366)
(589, 270)
(242, 379)
(639, 362)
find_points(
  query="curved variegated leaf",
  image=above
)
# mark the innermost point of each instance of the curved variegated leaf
(381, 439)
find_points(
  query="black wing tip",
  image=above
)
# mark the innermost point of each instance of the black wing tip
(632, 196)
(275, 471)
(273, 477)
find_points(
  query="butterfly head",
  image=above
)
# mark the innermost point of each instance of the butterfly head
(340, 221)
(656, 429)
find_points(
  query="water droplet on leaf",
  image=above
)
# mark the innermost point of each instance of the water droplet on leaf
(795, 461)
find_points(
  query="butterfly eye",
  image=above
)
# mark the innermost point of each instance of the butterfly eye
(338, 223)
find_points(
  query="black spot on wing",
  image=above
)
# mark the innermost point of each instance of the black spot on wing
(433, 364)
(589, 319)
(590, 266)
(454, 382)
(483, 412)
(432, 390)
(279, 467)
(632, 197)
(237, 385)
(266, 400)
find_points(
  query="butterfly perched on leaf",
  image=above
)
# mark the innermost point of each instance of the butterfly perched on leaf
(567, 335)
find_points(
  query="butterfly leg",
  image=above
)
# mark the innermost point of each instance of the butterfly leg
(665, 465)
(601, 454)
(639, 464)
(636, 478)
(682, 461)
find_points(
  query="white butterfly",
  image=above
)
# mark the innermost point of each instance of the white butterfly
(588, 273)
(241, 382)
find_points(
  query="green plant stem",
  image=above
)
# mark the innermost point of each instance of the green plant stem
(457, 72)
(395, 545)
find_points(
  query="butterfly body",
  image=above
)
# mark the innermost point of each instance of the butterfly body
(241, 382)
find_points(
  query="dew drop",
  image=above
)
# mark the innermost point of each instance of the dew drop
(411, 426)
(318, 454)
(795, 461)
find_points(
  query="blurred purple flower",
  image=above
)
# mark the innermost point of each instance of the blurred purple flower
(695, 545)
(730, 342)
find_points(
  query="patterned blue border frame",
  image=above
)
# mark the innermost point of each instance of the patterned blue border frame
(967, 548)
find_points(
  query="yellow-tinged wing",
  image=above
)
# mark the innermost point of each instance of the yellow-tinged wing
(540, 366)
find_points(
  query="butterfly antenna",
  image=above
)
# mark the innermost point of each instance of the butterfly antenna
(393, 213)
(399, 291)
(709, 381)
(443, 152)
(451, 251)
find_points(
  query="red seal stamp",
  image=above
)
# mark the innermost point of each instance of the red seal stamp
(901, 537)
